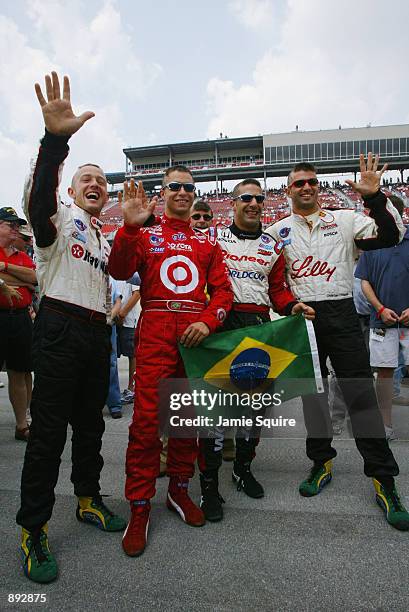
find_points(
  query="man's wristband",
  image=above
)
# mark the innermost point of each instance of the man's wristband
(379, 312)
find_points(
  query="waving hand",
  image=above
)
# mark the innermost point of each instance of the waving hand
(57, 111)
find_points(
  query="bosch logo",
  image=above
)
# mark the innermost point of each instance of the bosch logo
(179, 274)
(221, 314)
(77, 251)
(246, 274)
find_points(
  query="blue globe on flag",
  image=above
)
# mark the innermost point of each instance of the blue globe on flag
(250, 368)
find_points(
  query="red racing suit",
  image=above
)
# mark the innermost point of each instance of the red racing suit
(177, 267)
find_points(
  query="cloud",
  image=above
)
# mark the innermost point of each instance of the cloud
(94, 47)
(252, 14)
(325, 71)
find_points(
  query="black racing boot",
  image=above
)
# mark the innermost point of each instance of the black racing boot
(211, 500)
(245, 480)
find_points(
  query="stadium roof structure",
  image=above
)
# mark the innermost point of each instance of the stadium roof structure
(271, 155)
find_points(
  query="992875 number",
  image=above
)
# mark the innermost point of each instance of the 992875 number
(27, 598)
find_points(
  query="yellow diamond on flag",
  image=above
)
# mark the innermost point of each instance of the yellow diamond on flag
(279, 360)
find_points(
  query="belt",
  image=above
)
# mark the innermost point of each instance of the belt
(250, 308)
(174, 305)
(74, 311)
(13, 311)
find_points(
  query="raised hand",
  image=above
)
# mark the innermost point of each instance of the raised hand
(57, 112)
(370, 180)
(136, 208)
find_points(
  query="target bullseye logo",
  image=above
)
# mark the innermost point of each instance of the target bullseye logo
(179, 274)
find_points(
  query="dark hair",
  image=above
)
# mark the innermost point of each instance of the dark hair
(249, 181)
(176, 168)
(398, 203)
(302, 166)
(202, 205)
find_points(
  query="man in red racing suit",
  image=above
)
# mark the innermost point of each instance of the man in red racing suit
(177, 267)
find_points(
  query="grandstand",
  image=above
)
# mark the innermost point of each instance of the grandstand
(272, 155)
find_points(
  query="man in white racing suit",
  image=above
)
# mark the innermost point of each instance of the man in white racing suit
(71, 344)
(320, 247)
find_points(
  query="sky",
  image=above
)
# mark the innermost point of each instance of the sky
(169, 71)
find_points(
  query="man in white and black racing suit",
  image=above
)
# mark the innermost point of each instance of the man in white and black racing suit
(71, 346)
(320, 248)
(257, 272)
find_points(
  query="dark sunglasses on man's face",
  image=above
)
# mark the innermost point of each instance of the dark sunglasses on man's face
(248, 197)
(205, 216)
(312, 182)
(176, 186)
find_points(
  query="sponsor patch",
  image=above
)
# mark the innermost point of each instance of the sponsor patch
(157, 250)
(179, 247)
(221, 314)
(284, 231)
(156, 239)
(266, 239)
(96, 223)
(261, 251)
(77, 251)
(80, 224)
(179, 237)
(331, 234)
(329, 226)
(278, 247)
(78, 236)
(246, 274)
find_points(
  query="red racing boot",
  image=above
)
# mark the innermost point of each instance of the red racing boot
(136, 533)
(179, 501)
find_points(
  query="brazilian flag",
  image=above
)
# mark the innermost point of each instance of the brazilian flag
(281, 355)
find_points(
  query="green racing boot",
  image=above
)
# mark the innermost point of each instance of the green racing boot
(93, 510)
(319, 476)
(39, 564)
(389, 500)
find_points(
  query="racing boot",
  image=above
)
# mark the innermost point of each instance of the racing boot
(388, 499)
(319, 476)
(39, 563)
(136, 534)
(245, 480)
(211, 500)
(179, 501)
(93, 510)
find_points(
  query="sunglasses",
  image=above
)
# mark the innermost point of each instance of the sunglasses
(176, 186)
(312, 182)
(205, 216)
(248, 197)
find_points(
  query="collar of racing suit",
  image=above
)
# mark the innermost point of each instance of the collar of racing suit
(243, 235)
(176, 223)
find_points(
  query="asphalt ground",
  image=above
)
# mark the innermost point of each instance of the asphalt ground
(283, 552)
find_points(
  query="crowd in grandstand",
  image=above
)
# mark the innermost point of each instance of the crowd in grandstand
(219, 262)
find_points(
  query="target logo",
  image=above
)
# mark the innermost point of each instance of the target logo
(77, 251)
(179, 274)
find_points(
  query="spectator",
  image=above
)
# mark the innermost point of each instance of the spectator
(201, 216)
(18, 279)
(385, 283)
(114, 394)
(127, 319)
